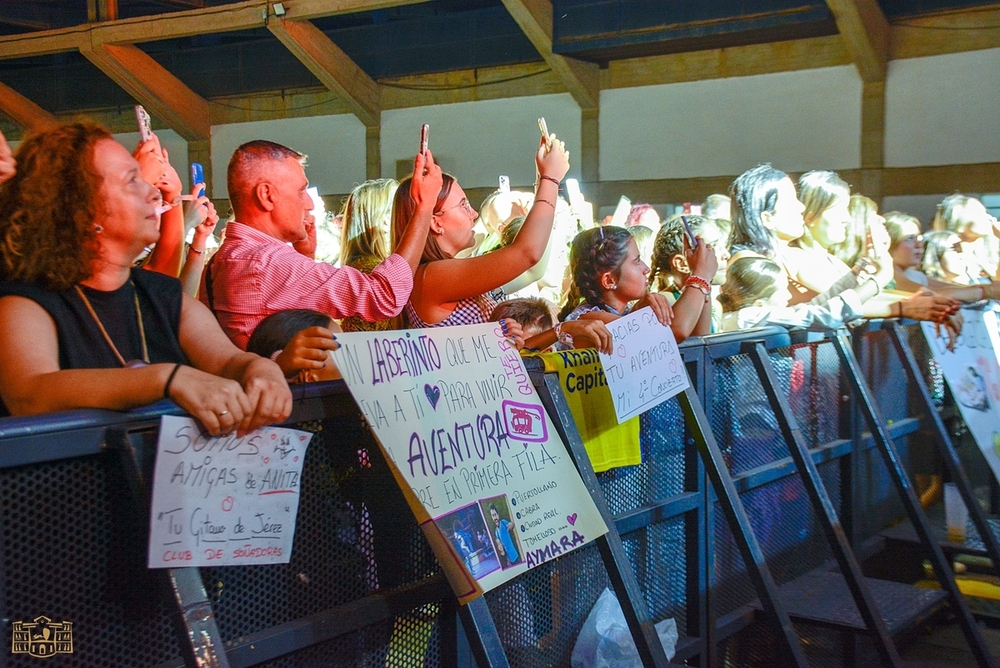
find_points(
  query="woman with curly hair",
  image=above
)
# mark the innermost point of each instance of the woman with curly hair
(79, 326)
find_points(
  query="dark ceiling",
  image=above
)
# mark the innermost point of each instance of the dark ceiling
(436, 36)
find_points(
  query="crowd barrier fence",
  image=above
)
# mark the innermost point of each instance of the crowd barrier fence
(761, 491)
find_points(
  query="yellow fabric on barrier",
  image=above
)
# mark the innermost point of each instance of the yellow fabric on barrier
(581, 378)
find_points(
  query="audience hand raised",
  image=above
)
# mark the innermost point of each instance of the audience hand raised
(427, 180)
(702, 260)
(554, 162)
(8, 165)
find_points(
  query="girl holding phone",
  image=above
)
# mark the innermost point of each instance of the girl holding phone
(451, 291)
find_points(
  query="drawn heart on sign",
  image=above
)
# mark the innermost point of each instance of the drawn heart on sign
(621, 350)
(571, 519)
(433, 394)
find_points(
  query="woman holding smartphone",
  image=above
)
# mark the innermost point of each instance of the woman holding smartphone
(450, 291)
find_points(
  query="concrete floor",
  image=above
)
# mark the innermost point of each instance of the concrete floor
(944, 646)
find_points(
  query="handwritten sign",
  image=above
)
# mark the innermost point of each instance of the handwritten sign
(226, 500)
(645, 368)
(973, 374)
(473, 449)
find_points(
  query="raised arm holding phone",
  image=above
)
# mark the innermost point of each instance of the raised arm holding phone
(452, 291)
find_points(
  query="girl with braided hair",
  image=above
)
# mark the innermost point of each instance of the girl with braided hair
(609, 278)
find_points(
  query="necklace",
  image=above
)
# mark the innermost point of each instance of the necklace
(100, 325)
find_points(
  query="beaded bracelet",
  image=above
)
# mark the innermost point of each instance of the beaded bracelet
(698, 282)
(193, 249)
(550, 178)
(539, 199)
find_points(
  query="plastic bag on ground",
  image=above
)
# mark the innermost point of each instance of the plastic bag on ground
(605, 641)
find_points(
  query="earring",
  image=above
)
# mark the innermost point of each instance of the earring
(98, 229)
(614, 286)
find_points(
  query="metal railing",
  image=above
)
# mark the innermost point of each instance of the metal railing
(715, 528)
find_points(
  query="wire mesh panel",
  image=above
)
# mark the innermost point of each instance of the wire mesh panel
(657, 555)
(814, 391)
(741, 417)
(661, 473)
(413, 642)
(354, 535)
(70, 553)
(539, 614)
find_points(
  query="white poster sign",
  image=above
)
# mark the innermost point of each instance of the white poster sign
(467, 437)
(645, 368)
(224, 500)
(973, 374)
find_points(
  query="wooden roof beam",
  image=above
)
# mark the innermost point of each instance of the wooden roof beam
(228, 18)
(160, 92)
(865, 31)
(581, 79)
(23, 111)
(222, 18)
(331, 66)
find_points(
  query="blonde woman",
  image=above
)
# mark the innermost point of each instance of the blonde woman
(978, 231)
(907, 249)
(364, 242)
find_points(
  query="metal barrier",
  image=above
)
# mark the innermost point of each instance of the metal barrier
(363, 589)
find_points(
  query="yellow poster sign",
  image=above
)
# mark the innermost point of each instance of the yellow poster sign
(581, 377)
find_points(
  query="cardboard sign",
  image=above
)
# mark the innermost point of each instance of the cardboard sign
(225, 500)
(474, 451)
(645, 368)
(973, 374)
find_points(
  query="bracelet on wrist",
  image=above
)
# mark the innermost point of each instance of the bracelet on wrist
(539, 199)
(543, 177)
(698, 282)
(195, 250)
(170, 380)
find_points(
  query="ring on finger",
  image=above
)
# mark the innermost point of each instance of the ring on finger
(223, 413)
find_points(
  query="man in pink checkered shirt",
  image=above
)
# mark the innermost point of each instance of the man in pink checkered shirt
(258, 272)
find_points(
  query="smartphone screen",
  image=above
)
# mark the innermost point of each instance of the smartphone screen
(423, 137)
(690, 235)
(145, 126)
(504, 183)
(621, 211)
(198, 176)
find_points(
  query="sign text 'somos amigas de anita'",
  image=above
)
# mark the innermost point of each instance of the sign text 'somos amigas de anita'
(466, 435)
(224, 500)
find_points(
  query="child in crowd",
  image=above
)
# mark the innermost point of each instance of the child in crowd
(300, 341)
(674, 262)
(532, 313)
(609, 278)
(535, 317)
(609, 281)
(756, 294)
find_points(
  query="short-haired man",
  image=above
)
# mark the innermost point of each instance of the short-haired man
(256, 272)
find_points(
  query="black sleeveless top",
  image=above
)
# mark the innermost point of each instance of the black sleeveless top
(81, 344)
